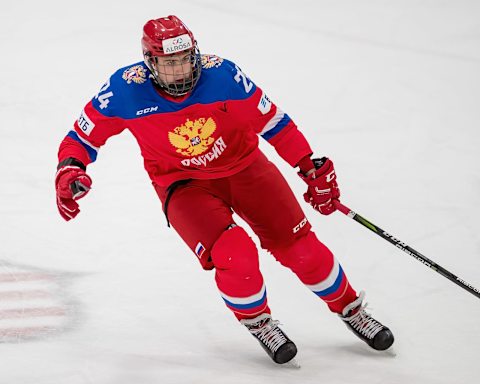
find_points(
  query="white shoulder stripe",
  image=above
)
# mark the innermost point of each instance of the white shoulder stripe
(273, 121)
(86, 142)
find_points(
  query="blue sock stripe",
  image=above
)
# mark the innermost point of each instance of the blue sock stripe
(335, 285)
(249, 305)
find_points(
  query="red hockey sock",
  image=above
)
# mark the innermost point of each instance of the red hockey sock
(319, 270)
(238, 275)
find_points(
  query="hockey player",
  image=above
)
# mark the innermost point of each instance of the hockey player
(197, 119)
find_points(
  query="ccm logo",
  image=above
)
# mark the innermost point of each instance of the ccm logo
(146, 110)
(300, 225)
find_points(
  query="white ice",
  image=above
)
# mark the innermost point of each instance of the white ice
(390, 90)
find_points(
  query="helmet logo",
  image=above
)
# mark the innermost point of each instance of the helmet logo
(177, 41)
(177, 44)
(136, 74)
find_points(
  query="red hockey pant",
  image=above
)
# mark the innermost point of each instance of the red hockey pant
(201, 213)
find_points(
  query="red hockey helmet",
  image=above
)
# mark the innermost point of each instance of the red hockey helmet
(168, 37)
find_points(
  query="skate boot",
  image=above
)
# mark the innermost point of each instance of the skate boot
(273, 340)
(374, 333)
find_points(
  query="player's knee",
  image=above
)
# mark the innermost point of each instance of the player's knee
(234, 249)
(304, 256)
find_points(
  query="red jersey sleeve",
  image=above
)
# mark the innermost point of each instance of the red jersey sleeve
(90, 131)
(276, 127)
(279, 130)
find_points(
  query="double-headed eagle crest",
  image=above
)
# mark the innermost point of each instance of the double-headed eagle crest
(136, 74)
(194, 137)
(210, 61)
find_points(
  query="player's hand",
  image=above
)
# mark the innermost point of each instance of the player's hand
(322, 186)
(71, 183)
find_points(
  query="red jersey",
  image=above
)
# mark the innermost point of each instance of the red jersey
(210, 133)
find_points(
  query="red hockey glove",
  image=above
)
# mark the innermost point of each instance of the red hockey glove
(322, 186)
(71, 183)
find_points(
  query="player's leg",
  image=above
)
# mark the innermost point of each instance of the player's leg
(204, 221)
(263, 198)
(235, 257)
(317, 268)
(237, 273)
(321, 272)
(267, 203)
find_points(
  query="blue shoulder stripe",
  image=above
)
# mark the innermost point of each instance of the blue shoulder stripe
(276, 128)
(91, 150)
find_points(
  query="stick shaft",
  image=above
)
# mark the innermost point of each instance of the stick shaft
(407, 249)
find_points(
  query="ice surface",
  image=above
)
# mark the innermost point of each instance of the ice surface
(389, 90)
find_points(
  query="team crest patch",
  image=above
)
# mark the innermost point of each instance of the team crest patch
(136, 74)
(194, 137)
(210, 61)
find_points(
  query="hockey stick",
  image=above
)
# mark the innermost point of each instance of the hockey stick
(405, 248)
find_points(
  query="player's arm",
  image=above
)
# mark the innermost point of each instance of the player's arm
(80, 148)
(292, 146)
(269, 121)
(278, 129)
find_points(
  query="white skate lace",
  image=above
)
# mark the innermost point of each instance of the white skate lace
(270, 335)
(363, 323)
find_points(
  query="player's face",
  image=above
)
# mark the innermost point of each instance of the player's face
(176, 68)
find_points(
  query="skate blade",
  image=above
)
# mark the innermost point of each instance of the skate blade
(391, 352)
(292, 364)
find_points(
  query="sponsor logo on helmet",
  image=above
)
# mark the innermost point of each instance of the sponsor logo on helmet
(210, 61)
(177, 44)
(137, 74)
(195, 140)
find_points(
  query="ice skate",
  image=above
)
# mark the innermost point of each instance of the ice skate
(273, 340)
(374, 333)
